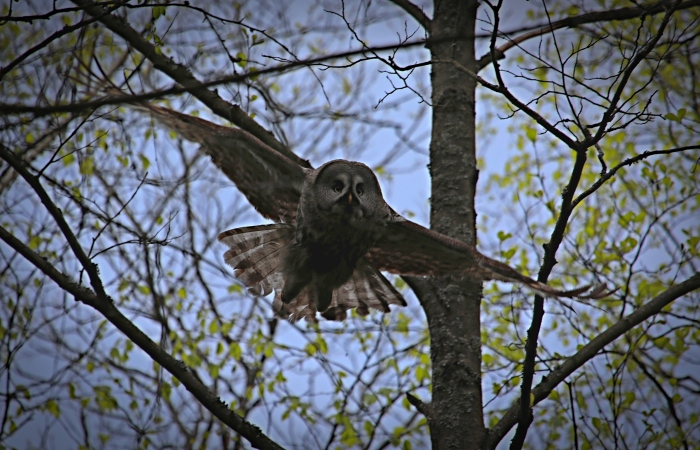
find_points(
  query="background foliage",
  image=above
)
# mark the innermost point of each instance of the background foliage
(146, 206)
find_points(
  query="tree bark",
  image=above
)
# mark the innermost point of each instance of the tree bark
(452, 304)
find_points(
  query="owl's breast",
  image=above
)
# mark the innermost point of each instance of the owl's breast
(330, 240)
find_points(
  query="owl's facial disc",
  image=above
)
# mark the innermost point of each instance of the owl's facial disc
(348, 192)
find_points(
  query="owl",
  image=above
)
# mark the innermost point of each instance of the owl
(318, 263)
(335, 232)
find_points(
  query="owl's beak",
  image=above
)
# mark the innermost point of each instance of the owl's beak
(350, 199)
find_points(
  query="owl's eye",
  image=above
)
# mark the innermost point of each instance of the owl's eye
(359, 190)
(337, 186)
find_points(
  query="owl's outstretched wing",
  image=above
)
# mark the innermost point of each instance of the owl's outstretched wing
(411, 249)
(272, 183)
(270, 180)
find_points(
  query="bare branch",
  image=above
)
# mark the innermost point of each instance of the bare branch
(105, 305)
(638, 58)
(501, 89)
(548, 263)
(185, 78)
(422, 407)
(628, 162)
(8, 108)
(415, 12)
(576, 21)
(590, 350)
(56, 213)
(47, 16)
(62, 32)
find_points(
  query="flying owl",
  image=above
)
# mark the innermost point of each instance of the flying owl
(318, 263)
(335, 231)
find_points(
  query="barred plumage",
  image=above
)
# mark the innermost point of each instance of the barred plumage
(257, 254)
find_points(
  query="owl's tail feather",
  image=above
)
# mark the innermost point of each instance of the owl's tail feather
(367, 288)
(255, 253)
(301, 307)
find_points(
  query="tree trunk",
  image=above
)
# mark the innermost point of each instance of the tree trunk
(452, 304)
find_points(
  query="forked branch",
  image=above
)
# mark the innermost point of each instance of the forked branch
(588, 352)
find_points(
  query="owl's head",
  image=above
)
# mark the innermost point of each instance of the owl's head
(347, 188)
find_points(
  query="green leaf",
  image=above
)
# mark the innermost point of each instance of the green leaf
(52, 407)
(235, 351)
(509, 253)
(349, 436)
(68, 159)
(531, 134)
(421, 374)
(158, 11)
(34, 242)
(123, 284)
(369, 427)
(87, 166)
(25, 392)
(144, 162)
(504, 236)
(166, 389)
(242, 59)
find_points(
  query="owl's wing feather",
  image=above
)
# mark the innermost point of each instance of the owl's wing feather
(411, 249)
(255, 254)
(271, 181)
